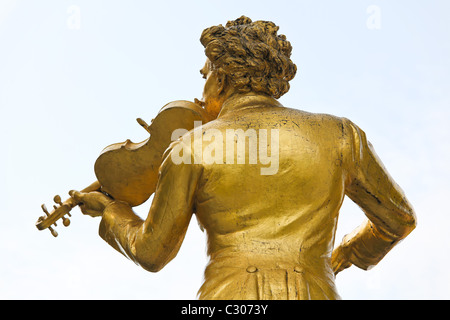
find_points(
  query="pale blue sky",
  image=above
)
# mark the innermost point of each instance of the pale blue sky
(67, 92)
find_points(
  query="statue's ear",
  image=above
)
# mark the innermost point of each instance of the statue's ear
(221, 82)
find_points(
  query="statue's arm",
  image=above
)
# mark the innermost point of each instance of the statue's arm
(153, 242)
(390, 217)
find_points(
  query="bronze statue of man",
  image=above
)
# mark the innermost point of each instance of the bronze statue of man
(270, 234)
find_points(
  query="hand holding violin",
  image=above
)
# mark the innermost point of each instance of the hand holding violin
(91, 203)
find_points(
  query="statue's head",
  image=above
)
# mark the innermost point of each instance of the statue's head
(249, 57)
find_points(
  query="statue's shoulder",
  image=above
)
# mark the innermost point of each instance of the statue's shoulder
(319, 118)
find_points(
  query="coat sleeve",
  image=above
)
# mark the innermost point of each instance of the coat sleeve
(153, 242)
(390, 217)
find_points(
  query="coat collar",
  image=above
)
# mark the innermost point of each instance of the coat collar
(242, 101)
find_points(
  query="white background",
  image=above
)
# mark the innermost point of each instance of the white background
(74, 76)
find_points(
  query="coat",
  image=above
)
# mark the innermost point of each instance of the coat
(266, 183)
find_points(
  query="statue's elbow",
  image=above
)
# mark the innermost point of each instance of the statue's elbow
(152, 267)
(152, 264)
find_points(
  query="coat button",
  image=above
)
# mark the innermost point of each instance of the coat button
(298, 269)
(251, 269)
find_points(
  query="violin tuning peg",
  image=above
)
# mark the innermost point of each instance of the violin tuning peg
(53, 232)
(57, 200)
(44, 208)
(66, 221)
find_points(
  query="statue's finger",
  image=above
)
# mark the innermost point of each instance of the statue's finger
(76, 195)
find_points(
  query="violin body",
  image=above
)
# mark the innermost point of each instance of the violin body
(128, 171)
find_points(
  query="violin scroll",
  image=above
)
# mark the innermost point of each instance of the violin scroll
(60, 210)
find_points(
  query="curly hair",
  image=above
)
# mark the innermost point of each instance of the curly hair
(252, 55)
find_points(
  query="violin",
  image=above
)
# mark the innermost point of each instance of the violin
(128, 171)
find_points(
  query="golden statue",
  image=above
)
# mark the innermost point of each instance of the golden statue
(264, 181)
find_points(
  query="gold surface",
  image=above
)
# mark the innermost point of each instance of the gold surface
(270, 217)
(269, 236)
